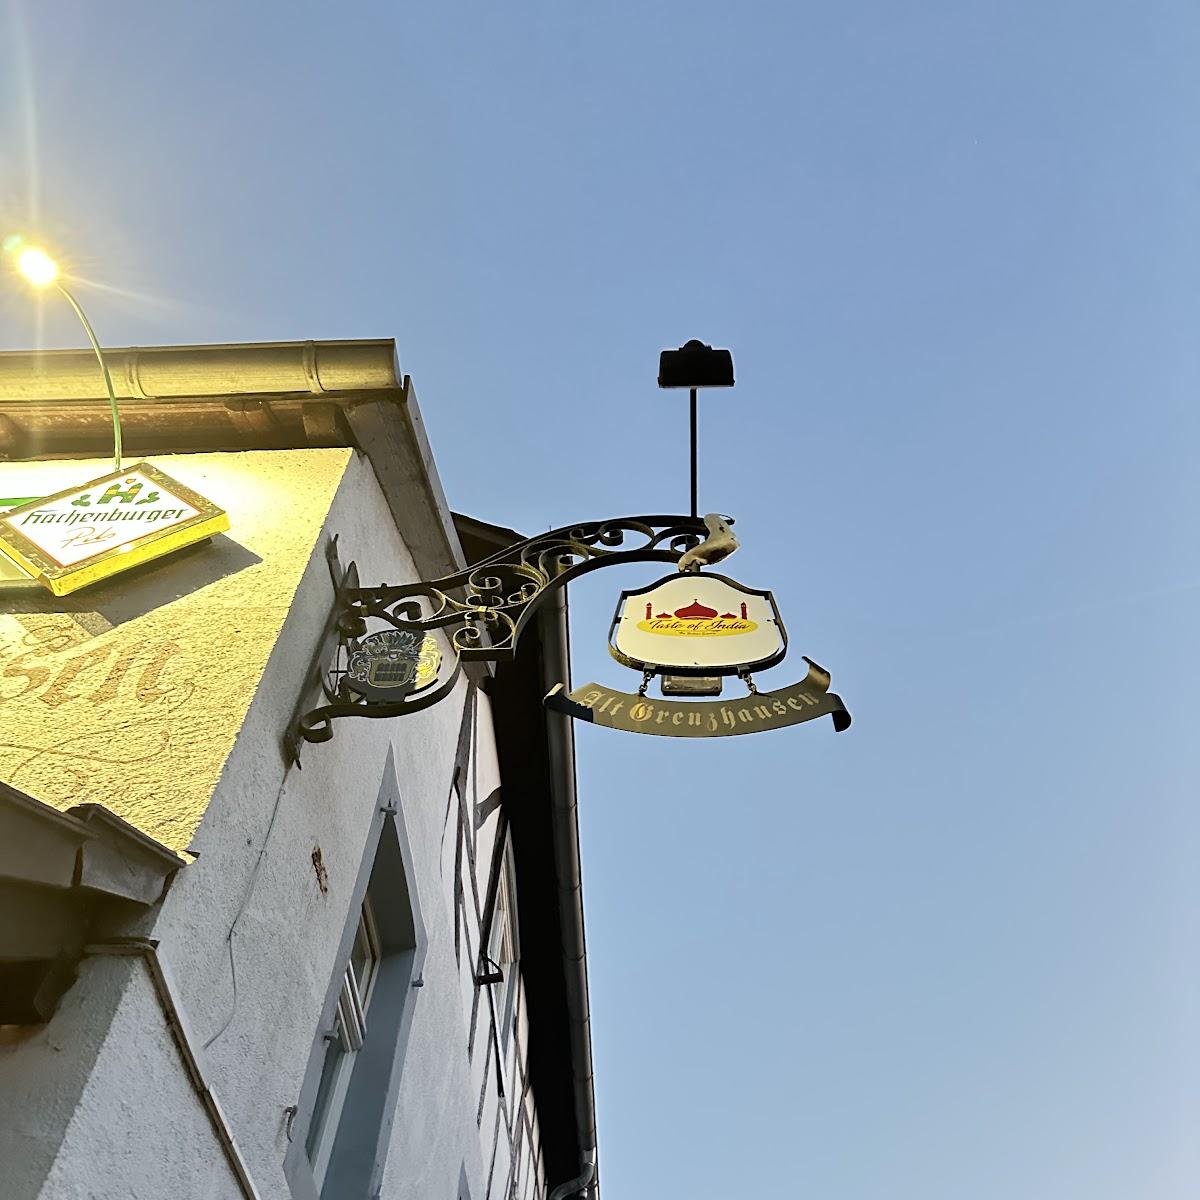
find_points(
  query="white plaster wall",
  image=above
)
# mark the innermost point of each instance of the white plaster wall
(138, 1129)
(148, 1138)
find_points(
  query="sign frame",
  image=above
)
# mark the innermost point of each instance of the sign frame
(703, 669)
(62, 579)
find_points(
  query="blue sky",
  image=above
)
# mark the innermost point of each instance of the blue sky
(952, 952)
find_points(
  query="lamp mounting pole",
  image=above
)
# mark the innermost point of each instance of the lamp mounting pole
(695, 506)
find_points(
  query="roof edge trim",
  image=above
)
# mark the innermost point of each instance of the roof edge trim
(302, 368)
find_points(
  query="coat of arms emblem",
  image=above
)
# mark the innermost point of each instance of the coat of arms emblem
(392, 663)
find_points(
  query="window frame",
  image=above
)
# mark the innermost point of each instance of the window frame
(504, 947)
(394, 984)
(348, 1033)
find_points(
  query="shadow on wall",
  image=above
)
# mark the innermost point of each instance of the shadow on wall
(105, 605)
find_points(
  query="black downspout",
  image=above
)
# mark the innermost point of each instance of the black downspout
(555, 639)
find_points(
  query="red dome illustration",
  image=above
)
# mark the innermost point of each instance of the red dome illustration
(695, 609)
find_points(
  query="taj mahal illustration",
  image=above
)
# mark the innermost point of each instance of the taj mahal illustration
(692, 612)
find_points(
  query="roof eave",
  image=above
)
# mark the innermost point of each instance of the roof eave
(254, 396)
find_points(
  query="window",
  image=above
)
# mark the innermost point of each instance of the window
(502, 950)
(343, 1042)
(347, 1102)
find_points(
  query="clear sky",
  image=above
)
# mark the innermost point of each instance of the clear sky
(951, 953)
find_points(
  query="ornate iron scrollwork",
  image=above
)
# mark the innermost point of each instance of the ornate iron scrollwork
(483, 609)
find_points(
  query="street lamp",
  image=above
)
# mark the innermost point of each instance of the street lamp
(695, 365)
(40, 270)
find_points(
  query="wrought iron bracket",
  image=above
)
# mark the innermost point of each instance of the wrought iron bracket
(316, 679)
(481, 611)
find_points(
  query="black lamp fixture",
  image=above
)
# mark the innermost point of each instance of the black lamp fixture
(695, 365)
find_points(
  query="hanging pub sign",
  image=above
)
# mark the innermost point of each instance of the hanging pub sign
(97, 529)
(691, 629)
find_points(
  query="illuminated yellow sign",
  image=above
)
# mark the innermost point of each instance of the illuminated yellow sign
(108, 525)
(696, 623)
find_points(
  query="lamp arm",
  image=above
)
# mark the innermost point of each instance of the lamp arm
(112, 396)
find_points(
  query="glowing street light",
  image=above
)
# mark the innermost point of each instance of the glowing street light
(37, 266)
(40, 270)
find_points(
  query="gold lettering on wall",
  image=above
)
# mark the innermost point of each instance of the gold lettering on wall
(48, 671)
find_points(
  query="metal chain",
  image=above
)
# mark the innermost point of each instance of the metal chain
(748, 680)
(646, 677)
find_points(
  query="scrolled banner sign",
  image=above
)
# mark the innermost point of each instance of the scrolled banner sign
(803, 701)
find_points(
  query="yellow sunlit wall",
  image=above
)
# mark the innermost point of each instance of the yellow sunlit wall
(131, 693)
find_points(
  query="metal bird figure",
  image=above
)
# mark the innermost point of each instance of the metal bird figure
(719, 544)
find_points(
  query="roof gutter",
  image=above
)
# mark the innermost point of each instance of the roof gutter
(309, 368)
(555, 638)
